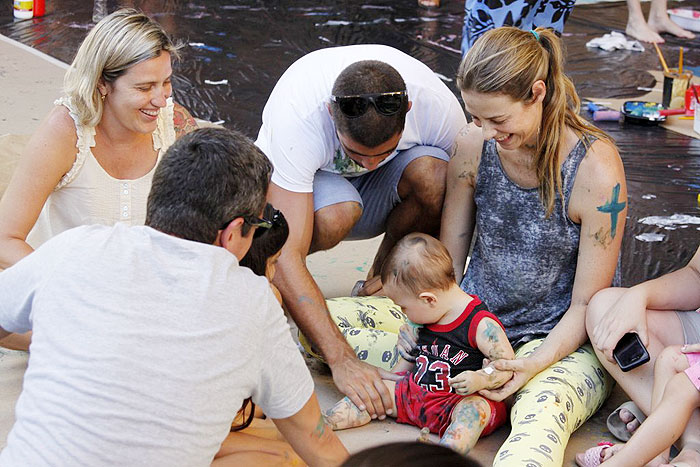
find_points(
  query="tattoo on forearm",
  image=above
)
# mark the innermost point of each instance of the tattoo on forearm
(320, 429)
(305, 299)
(613, 207)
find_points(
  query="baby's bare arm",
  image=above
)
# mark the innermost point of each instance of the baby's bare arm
(402, 365)
(492, 342)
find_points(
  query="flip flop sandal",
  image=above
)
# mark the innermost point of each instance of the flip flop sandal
(617, 427)
(591, 457)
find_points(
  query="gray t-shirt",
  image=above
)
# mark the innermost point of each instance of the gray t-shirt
(523, 264)
(144, 347)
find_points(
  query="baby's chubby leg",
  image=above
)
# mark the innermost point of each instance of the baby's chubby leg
(344, 414)
(469, 418)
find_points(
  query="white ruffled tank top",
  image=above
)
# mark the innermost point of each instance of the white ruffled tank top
(87, 194)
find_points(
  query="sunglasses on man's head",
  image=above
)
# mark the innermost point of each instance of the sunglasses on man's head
(386, 103)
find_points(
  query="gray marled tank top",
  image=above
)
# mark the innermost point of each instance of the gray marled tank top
(523, 265)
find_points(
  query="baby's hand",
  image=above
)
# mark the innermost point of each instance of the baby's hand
(465, 383)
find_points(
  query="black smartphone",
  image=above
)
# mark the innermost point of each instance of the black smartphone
(629, 352)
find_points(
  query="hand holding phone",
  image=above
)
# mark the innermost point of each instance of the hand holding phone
(629, 352)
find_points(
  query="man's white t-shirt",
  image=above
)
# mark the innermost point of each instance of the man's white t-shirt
(298, 134)
(144, 348)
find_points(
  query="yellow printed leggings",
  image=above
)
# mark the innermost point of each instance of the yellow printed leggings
(550, 407)
(370, 325)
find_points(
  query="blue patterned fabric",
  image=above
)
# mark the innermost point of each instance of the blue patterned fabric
(483, 15)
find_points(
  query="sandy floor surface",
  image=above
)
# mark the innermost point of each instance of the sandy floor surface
(32, 81)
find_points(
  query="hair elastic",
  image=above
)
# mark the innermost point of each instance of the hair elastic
(536, 34)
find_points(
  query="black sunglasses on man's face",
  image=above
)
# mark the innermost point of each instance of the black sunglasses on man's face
(386, 103)
(261, 224)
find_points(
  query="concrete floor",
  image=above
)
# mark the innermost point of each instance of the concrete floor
(336, 271)
(32, 81)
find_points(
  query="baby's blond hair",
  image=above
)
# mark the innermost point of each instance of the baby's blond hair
(419, 263)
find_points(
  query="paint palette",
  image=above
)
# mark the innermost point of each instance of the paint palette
(643, 113)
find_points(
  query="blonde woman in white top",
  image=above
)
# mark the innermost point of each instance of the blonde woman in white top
(93, 156)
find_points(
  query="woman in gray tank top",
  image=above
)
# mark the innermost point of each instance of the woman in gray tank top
(544, 193)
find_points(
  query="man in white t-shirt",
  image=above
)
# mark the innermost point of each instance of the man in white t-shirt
(359, 137)
(146, 340)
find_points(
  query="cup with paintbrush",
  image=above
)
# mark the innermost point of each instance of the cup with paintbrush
(676, 81)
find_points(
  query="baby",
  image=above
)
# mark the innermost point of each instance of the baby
(458, 333)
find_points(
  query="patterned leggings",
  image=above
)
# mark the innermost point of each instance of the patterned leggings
(554, 404)
(370, 325)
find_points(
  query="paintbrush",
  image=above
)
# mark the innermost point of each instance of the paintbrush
(680, 62)
(661, 58)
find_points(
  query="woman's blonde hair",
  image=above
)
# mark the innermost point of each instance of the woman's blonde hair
(508, 61)
(121, 40)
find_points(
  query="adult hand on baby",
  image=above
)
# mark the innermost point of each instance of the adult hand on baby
(523, 370)
(363, 384)
(626, 315)
(407, 342)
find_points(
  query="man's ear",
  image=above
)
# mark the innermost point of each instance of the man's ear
(231, 237)
(428, 297)
(539, 91)
(408, 107)
(328, 106)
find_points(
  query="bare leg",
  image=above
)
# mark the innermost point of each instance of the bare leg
(344, 414)
(660, 22)
(17, 341)
(664, 330)
(332, 224)
(664, 426)
(422, 191)
(469, 418)
(240, 448)
(637, 26)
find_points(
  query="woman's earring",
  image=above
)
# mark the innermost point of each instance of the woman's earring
(102, 96)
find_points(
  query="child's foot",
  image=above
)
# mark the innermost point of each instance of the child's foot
(686, 458)
(631, 422)
(642, 32)
(664, 24)
(345, 414)
(597, 455)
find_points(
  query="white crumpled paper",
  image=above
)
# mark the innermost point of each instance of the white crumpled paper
(615, 41)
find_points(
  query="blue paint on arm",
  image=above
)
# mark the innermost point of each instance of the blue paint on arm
(613, 207)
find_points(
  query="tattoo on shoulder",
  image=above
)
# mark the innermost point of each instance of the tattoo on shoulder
(183, 121)
(613, 207)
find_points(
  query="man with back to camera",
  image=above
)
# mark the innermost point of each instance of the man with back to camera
(359, 137)
(147, 339)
